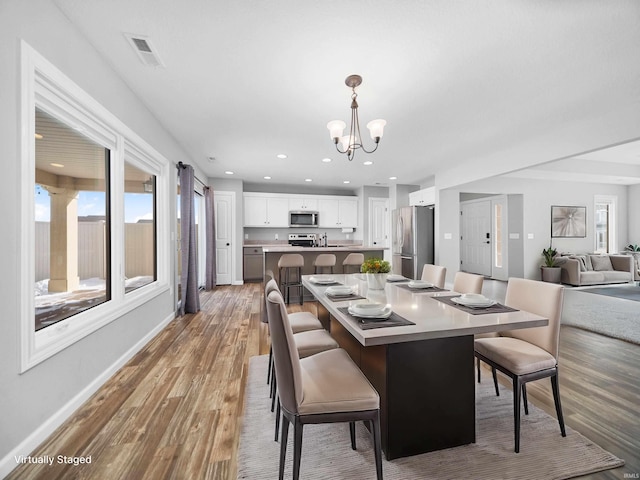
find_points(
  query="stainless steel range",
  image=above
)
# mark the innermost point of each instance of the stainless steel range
(302, 239)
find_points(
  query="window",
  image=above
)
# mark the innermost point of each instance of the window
(497, 235)
(139, 227)
(72, 239)
(605, 224)
(92, 246)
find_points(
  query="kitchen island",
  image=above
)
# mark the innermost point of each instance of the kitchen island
(272, 254)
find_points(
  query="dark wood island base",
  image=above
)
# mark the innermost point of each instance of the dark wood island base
(426, 387)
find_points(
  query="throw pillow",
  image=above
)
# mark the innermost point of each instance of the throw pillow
(587, 261)
(601, 262)
(581, 262)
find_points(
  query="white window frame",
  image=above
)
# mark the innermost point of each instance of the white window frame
(44, 86)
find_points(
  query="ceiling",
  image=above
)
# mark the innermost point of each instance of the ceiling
(246, 80)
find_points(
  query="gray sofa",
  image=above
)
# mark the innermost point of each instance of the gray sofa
(580, 270)
(636, 264)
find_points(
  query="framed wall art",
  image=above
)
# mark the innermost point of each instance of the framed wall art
(568, 222)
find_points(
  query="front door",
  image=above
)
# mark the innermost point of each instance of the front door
(475, 242)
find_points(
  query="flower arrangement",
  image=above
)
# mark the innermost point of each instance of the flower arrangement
(375, 265)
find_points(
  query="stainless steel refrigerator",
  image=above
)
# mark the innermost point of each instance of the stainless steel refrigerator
(412, 240)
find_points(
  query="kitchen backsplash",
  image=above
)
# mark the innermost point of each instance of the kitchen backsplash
(267, 236)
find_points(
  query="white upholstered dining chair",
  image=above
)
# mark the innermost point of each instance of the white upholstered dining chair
(434, 274)
(527, 354)
(327, 387)
(465, 282)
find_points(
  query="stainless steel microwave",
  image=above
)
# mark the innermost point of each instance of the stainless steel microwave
(303, 218)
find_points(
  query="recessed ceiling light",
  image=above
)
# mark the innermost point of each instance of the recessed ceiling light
(281, 155)
(346, 181)
(228, 172)
(326, 160)
(57, 165)
(393, 178)
(308, 180)
(368, 162)
(267, 177)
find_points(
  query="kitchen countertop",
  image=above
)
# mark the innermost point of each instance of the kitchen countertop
(336, 248)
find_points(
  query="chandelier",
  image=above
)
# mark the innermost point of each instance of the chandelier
(352, 142)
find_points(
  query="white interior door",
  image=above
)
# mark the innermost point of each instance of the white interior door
(379, 221)
(224, 205)
(475, 244)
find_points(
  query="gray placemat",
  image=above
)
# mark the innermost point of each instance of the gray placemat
(421, 290)
(325, 284)
(345, 298)
(394, 320)
(497, 308)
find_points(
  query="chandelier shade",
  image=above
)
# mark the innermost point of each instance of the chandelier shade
(336, 128)
(353, 141)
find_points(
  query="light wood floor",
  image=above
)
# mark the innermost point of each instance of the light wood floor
(174, 410)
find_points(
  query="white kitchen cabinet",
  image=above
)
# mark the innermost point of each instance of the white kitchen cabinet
(338, 212)
(420, 198)
(266, 211)
(303, 203)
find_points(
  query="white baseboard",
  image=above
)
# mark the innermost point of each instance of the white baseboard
(8, 463)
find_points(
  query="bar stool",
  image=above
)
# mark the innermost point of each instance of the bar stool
(353, 260)
(324, 260)
(286, 264)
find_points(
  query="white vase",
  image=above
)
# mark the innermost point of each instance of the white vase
(376, 281)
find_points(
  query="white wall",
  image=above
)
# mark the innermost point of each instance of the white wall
(37, 398)
(633, 216)
(537, 199)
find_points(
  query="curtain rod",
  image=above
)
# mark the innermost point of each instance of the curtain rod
(180, 165)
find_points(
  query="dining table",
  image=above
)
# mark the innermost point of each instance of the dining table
(420, 359)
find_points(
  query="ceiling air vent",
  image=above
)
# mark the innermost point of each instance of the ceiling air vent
(144, 49)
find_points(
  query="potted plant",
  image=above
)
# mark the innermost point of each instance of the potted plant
(632, 247)
(376, 271)
(550, 271)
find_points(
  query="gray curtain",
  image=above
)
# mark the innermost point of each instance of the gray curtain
(210, 260)
(189, 278)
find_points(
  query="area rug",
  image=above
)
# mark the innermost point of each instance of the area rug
(626, 292)
(327, 454)
(606, 315)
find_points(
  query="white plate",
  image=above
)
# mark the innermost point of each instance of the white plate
(322, 281)
(395, 278)
(339, 291)
(367, 308)
(419, 284)
(473, 303)
(382, 314)
(473, 297)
